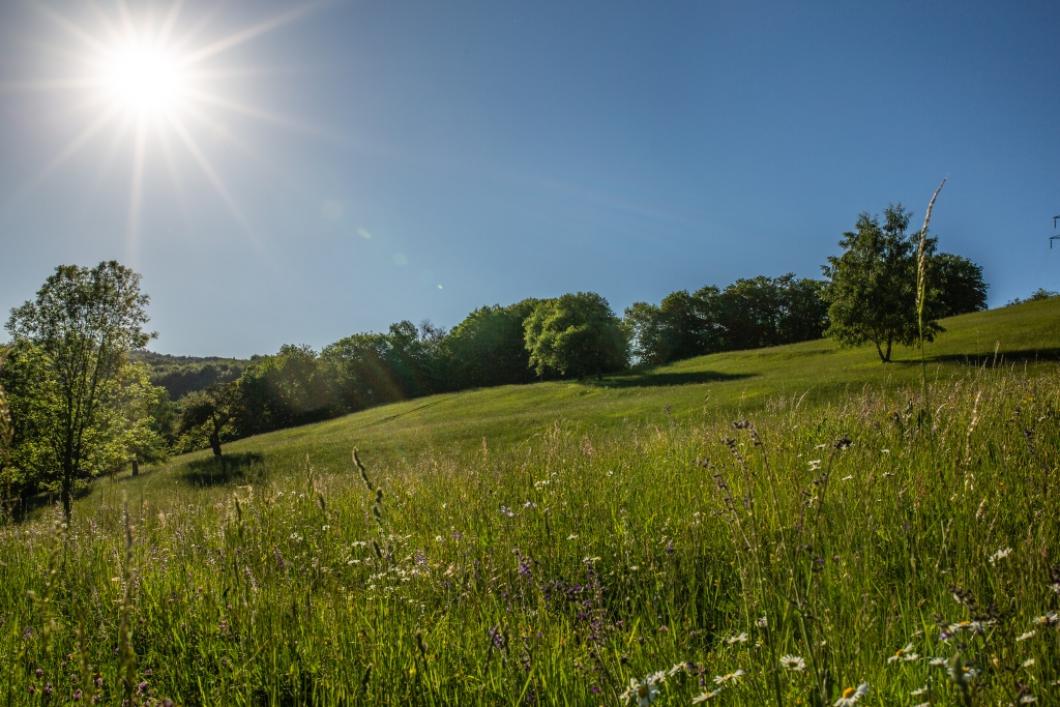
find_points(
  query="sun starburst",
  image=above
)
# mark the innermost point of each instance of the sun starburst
(147, 81)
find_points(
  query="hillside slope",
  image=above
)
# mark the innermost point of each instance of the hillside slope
(1026, 335)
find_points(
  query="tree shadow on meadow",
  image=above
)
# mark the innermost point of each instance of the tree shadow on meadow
(993, 359)
(31, 507)
(653, 380)
(246, 467)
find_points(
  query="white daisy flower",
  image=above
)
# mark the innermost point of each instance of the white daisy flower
(678, 667)
(900, 653)
(793, 663)
(739, 638)
(730, 677)
(852, 695)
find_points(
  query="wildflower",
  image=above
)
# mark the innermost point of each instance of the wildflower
(729, 677)
(922, 704)
(793, 663)
(762, 622)
(1047, 619)
(677, 668)
(901, 654)
(644, 692)
(852, 695)
(919, 691)
(1028, 699)
(507, 512)
(656, 678)
(706, 696)
(1000, 555)
(964, 675)
(739, 638)
(1025, 636)
(1028, 663)
(814, 464)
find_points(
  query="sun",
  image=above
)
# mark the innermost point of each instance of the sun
(144, 79)
(159, 86)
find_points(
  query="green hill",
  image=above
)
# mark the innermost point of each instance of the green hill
(1025, 336)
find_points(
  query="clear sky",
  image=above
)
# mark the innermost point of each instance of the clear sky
(335, 167)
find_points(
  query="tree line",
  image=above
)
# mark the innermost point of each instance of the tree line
(75, 402)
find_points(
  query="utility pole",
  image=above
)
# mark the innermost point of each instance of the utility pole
(1056, 237)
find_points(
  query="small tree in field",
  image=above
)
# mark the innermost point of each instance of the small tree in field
(209, 410)
(576, 335)
(872, 292)
(82, 325)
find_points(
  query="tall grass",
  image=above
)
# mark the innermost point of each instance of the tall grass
(921, 290)
(789, 558)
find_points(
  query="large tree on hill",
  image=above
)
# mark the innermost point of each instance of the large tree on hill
(872, 284)
(576, 335)
(83, 323)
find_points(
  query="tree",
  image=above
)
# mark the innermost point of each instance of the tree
(805, 310)
(679, 327)
(872, 288)
(7, 435)
(83, 322)
(136, 425)
(958, 284)
(576, 335)
(1037, 296)
(210, 411)
(487, 347)
(647, 333)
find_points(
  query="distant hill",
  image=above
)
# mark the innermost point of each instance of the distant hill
(181, 375)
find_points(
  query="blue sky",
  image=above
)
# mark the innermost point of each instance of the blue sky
(376, 161)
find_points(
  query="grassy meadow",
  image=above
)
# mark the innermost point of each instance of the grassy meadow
(780, 526)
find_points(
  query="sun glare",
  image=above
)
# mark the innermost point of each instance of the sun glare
(143, 79)
(156, 83)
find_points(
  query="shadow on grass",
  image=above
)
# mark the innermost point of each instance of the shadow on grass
(649, 379)
(230, 468)
(994, 359)
(30, 507)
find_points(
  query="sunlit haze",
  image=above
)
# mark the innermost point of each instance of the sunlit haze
(295, 172)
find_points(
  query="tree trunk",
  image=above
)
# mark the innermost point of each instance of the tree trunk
(135, 467)
(65, 492)
(879, 352)
(215, 444)
(889, 342)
